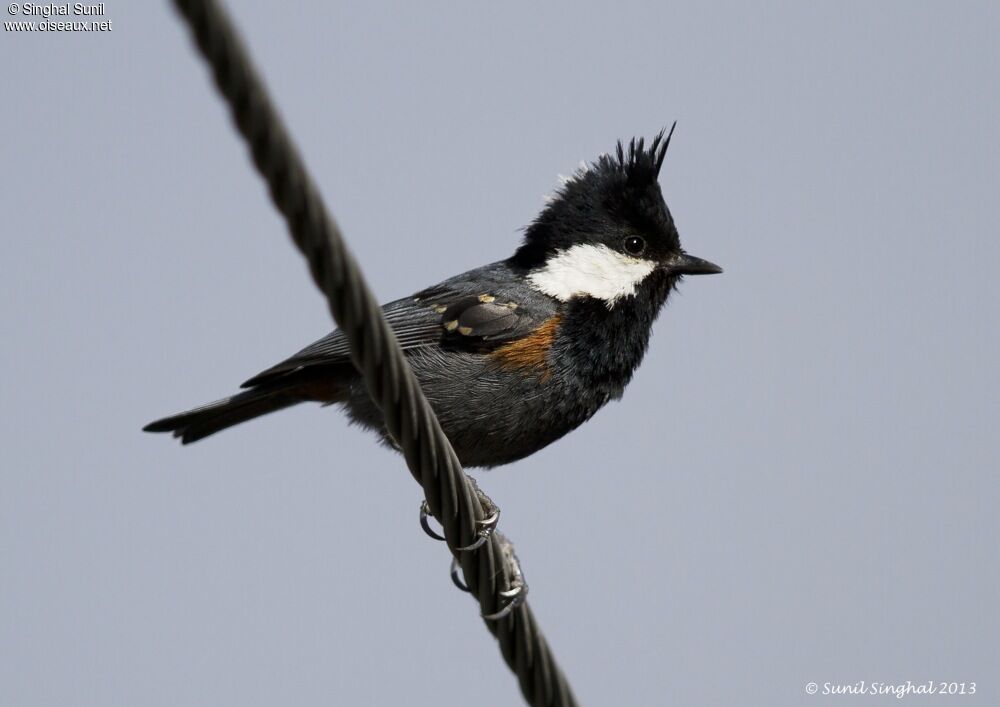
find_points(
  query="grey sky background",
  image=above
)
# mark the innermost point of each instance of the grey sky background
(800, 484)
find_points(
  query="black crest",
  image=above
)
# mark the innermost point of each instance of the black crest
(614, 196)
(640, 164)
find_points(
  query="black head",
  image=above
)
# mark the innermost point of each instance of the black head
(613, 207)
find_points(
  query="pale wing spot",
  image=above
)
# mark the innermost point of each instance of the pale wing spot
(588, 270)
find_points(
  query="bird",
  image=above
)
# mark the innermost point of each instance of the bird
(512, 355)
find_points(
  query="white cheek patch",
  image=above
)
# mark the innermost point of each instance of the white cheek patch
(591, 271)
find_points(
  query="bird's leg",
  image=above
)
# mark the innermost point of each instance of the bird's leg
(485, 527)
(517, 589)
(491, 517)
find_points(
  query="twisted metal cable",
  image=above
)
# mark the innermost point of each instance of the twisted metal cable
(452, 497)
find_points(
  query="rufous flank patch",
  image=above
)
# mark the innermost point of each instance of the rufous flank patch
(530, 352)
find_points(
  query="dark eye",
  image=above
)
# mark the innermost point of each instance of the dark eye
(634, 245)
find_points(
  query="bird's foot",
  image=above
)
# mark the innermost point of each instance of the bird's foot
(517, 589)
(484, 528)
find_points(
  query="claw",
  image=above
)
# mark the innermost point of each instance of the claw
(456, 578)
(481, 537)
(505, 611)
(491, 521)
(425, 513)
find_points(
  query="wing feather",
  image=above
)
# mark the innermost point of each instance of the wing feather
(444, 316)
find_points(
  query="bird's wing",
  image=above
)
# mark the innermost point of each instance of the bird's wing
(452, 315)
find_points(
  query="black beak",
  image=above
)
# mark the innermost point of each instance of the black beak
(685, 264)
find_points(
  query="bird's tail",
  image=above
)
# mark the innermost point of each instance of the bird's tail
(214, 417)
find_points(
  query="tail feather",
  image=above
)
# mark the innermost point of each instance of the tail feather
(214, 417)
(319, 385)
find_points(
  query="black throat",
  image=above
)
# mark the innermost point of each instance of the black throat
(604, 346)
